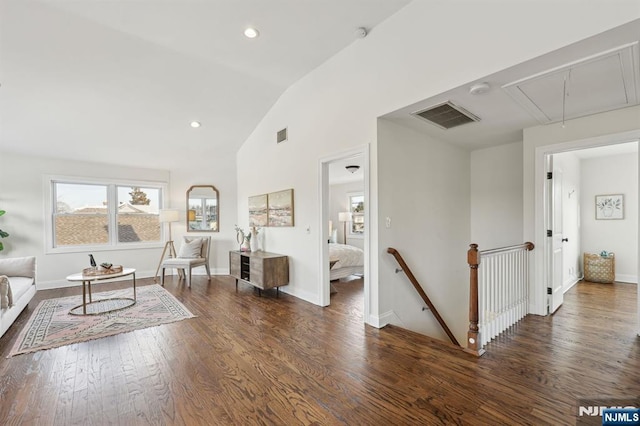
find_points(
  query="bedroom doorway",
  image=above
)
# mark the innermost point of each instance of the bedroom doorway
(344, 237)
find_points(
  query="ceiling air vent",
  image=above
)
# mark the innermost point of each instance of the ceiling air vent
(446, 115)
(281, 136)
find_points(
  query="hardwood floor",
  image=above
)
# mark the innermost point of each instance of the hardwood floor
(265, 360)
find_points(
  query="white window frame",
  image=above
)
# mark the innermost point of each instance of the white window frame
(350, 233)
(112, 195)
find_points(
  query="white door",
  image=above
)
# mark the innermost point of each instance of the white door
(555, 237)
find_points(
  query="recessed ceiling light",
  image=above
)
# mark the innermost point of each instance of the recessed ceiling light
(251, 32)
(195, 124)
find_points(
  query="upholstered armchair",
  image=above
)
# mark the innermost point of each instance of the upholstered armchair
(194, 252)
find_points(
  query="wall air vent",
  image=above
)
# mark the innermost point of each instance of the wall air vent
(446, 115)
(281, 136)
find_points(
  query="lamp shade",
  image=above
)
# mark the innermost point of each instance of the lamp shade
(344, 216)
(191, 215)
(169, 215)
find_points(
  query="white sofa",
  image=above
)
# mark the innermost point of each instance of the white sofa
(21, 274)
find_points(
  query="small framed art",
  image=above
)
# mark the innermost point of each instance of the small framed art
(609, 207)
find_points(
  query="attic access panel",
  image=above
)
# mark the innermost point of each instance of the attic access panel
(446, 115)
(599, 83)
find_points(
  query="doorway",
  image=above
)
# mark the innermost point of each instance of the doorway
(336, 201)
(600, 164)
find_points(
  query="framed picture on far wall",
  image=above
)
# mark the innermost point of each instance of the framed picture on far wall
(280, 208)
(258, 210)
(609, 207)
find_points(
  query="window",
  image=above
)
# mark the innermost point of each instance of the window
(94, 215)
(356, 207)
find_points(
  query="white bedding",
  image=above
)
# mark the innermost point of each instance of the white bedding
(350, 260)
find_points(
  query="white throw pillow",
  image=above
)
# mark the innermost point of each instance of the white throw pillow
(190, 249)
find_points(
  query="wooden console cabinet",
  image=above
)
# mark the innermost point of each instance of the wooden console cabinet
(261, 269)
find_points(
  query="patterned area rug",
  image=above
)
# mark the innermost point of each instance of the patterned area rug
(51, 325)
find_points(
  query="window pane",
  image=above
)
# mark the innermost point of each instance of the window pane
(81, 215)
(356, 204)
(138, 214)
(78, 229)
(212, 218)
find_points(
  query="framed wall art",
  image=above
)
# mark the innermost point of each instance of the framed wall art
(280, 208)
(258, 215)
(609, 207)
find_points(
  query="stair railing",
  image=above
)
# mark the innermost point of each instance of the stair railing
(498, 292)
(404, 268)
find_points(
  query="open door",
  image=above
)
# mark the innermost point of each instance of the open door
(555, 237)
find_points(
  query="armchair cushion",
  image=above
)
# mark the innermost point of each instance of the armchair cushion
(190, 249)
(182, 262)
(19, 286)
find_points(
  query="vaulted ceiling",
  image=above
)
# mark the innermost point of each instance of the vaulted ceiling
(120, 81)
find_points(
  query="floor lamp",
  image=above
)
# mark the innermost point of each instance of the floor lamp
(344, 217)
(167, 216)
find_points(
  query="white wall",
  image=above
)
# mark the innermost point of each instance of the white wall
(338, 199)
(496, 196)
(21, 190)
(569, 165)
(334, 108)
(22, 196)
(222, 175)
(599, 129)
(424, 187)
(612, 175)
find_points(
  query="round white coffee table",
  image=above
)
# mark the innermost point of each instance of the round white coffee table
(103, 306)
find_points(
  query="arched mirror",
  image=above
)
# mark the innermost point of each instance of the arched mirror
(202, 209)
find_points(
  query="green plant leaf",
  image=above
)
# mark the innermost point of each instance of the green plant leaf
(3, 234)
(1, 247)
(2, 212)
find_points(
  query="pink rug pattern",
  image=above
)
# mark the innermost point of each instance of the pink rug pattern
(51, 325)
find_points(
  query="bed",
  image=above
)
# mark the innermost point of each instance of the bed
(350, 261)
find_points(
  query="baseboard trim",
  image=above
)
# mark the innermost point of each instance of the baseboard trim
(385, 319)
(567, 287)
(303, 295)
(624, 278)
(53, 284)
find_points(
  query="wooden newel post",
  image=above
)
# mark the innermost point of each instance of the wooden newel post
(473, 344)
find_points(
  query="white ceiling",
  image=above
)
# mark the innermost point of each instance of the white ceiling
(531, 93)
(119, 81)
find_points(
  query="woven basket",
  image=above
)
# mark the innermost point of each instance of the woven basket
(599, 269)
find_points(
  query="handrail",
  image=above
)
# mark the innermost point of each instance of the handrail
(528, 245)
(473, 259)
(422, 294)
